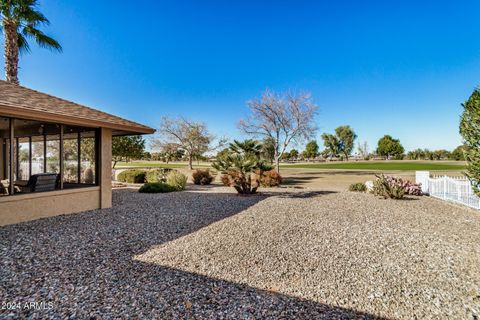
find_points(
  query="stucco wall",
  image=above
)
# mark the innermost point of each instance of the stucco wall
(106, 168)
(19, 208)
(2, 165)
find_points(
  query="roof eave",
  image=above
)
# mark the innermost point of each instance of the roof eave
(10, 111)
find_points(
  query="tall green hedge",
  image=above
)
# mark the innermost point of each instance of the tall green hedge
(470, 131)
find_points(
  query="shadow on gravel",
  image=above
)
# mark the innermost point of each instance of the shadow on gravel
(83, 265)
(303, 195)
(189, 295)
(298, 180)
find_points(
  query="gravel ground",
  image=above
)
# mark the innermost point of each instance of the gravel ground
(213, 254)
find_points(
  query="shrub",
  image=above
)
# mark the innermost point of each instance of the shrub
(177, 180)
(239, 166)
(158, 174)
(132, 176)
(395, 188)
(388, 188)
(359, 187)
(202, 177)
(156, 187)
(411, 188)
(225, 180)
(270, 178)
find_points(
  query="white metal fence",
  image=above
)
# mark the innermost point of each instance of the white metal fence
(454, 189)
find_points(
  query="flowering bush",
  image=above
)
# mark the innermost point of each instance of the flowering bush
(411, 188)
(388, 188)
(394, 188)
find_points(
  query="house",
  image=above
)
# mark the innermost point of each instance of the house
(55, 155)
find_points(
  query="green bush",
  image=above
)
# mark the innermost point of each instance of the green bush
(177, 180)
(158, 174)
(202, 177)
(132, 176)
(359, 187)
(156, 187)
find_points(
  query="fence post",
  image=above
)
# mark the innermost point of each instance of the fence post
(422, 177)
(445, 187)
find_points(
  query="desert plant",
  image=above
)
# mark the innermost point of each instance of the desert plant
(395, 188)
(177, 180)
(156, 187)
(270, 178)
(387, 188)
(240, 165)
(88, 175)
(157, 174)
(132, 176)
(202, 177)
(358, 187)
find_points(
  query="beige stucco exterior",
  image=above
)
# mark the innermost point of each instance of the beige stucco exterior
(26, 207)
(33, 206)
(105, 168)
(1, 159)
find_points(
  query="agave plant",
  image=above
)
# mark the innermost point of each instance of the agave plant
(242, 167)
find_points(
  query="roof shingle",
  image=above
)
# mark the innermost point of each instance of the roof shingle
(24, 102)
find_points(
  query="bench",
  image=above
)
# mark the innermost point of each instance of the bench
(41, 182)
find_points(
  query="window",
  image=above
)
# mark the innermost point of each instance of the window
(37, 148)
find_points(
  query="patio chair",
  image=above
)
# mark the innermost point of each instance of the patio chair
(4, 187)
(40, 182)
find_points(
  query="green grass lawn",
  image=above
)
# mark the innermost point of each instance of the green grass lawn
(155, 164)
(380, 165)
(150, 164)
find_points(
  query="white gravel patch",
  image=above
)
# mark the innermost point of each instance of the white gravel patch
(213, 254)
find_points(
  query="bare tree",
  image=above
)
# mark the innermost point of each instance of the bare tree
(168, 151)
(283, 118)
(192, 137)
(363, 150)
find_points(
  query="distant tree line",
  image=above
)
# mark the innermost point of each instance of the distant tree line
(278, 124)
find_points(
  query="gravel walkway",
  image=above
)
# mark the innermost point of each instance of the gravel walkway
(217, 255)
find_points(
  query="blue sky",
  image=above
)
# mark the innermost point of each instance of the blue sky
(384, 67)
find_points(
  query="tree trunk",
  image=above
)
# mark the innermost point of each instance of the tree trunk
(11, 51)
(190, 162)
(277, 164)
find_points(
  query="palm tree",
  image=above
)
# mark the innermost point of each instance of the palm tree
(242, 166)
(20, 21)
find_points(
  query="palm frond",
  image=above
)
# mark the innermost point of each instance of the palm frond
(41, 38)
(23, 45)
(33, 17)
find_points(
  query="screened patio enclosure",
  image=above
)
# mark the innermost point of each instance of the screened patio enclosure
(33, 150)
(55, 155)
